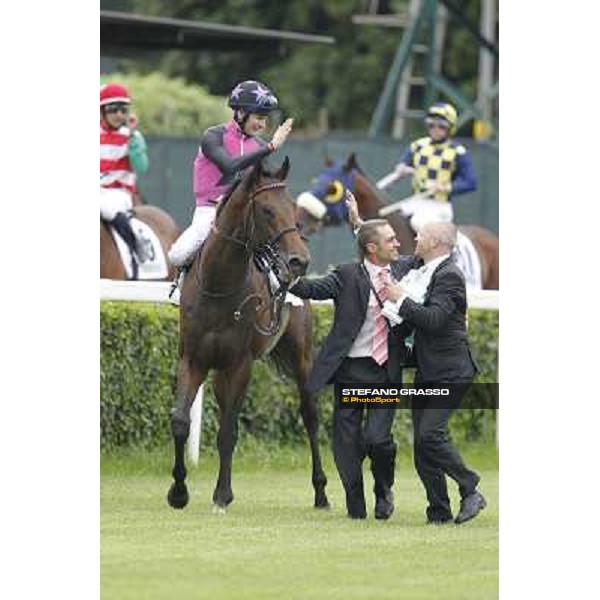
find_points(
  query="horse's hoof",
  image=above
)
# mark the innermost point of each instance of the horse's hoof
(178, 496)
(322, 502)
(219, 510)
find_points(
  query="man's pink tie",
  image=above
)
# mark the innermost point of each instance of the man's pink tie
(380, 335)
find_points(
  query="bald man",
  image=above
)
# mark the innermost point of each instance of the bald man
(443, 356)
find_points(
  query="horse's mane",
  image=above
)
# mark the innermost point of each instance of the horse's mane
(243, 180)
(235, 186)
(360, 169)
(382, 196)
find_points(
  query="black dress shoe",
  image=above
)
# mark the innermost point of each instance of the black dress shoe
(470, 506)
(384, 507)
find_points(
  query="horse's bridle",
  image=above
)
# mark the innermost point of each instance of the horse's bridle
(247, 243)
(266, 251)
(268, 247)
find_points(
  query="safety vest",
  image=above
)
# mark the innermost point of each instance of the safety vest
(115, 168)
(434, 162)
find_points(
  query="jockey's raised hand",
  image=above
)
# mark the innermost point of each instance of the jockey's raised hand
(281, 133)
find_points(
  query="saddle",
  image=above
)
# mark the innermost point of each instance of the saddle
(147, 260)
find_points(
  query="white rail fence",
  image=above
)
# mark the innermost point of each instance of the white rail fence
(158, 291)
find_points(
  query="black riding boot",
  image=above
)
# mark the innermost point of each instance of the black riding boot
(123, 226)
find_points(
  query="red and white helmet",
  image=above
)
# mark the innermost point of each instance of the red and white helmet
(113, 92)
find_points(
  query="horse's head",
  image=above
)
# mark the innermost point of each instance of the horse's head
(325, 202)
(273, 222)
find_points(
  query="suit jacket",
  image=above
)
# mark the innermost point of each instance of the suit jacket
(348, 286)
(441, 341)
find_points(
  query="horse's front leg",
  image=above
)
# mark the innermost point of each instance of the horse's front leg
(189, 379)
(230, 386)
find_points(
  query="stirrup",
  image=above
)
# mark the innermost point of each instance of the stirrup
(135, 269)
(175, 291)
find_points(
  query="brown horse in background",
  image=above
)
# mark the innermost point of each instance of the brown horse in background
(137, 200)
(163, 225)
(370, 201)
(229, 318)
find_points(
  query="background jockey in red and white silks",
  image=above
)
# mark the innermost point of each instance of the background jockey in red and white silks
(225, 152)
(123, 155)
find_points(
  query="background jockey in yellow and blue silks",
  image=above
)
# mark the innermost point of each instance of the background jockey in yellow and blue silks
(441, 168)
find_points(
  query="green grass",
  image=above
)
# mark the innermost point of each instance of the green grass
(273, 544)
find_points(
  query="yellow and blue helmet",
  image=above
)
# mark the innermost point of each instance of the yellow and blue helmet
(445, 111)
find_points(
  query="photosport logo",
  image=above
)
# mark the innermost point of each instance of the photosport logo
(417, 395)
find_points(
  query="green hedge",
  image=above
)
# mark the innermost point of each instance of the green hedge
(138, 366)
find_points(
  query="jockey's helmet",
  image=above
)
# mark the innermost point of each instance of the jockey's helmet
(252, 97)
(445, 111)
(112, 93)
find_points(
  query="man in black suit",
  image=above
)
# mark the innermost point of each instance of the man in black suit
(356, 352)
(443, 356)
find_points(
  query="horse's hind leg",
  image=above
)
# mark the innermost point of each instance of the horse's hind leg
(188, 382)
(310, 418)
(230, 387)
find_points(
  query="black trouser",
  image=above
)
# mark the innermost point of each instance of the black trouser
(435, 456)
(352, 442)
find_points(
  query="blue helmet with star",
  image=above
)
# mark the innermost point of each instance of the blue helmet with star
(253, 97)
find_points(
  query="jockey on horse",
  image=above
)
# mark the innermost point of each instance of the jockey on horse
(123, 155)
(226, 152)
(440, 168)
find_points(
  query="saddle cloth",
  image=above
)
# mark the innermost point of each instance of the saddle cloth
(155, 265)
(468, 261)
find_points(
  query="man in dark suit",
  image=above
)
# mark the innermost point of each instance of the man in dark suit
(443, 356)
(361, 348)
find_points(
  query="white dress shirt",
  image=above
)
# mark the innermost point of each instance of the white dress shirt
(415, 283)
(363, 344)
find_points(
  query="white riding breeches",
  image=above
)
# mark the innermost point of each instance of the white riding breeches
(113, 201)
(422, 211)
(188, 243)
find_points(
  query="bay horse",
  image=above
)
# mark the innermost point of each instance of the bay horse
(331, 184)
(229, 318)
(163, 225)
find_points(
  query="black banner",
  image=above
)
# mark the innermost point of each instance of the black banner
(423, 395)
